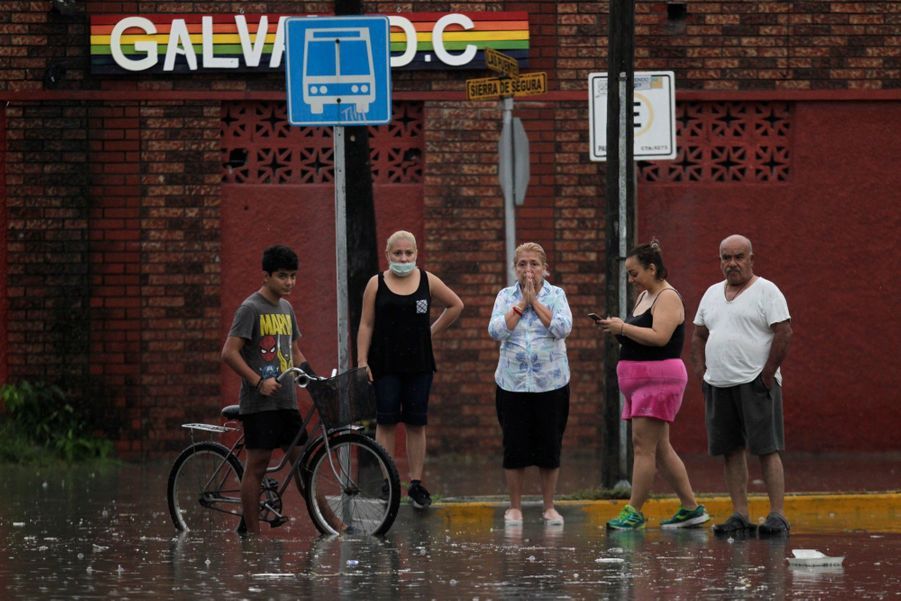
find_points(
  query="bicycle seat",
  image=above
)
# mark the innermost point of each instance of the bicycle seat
(232, 412)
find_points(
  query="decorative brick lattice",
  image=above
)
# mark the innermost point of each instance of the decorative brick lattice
(260, 147)
(727, 142)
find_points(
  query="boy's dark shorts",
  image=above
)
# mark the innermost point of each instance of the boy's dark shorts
(403, 398)
(532, 424)
(747, 416)
(271, 429)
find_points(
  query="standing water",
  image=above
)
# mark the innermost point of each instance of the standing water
(87, 533)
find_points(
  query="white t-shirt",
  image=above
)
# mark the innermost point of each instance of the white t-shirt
(740, 332)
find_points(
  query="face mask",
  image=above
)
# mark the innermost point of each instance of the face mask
(401, 270)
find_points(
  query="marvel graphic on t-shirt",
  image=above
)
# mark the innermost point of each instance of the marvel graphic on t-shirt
(275, 344)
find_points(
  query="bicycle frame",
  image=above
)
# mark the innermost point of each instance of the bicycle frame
(311, 446)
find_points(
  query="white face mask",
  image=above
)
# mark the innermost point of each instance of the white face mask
(401, 270)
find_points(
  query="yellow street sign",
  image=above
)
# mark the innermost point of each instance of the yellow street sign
(487, 88)
(500, 62)
(484, 88)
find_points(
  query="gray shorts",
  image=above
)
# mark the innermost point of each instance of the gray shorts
(747, 416)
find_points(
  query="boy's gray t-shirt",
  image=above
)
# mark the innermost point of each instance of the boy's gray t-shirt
(269, 331)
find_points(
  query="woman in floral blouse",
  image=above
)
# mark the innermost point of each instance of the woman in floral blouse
(531, 319)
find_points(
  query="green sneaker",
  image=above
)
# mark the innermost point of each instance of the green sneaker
(628, 519)
(685, 518)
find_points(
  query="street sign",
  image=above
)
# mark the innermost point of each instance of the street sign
(513, 154)
(338, 70)
(500, 62)
(487, 88)
(654, 115)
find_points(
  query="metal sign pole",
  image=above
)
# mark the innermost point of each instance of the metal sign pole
(509, 211)
(341, 248)
(624, 106)
(341, 263)
(618, 149)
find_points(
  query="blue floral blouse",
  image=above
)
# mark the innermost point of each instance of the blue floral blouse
(532, 357)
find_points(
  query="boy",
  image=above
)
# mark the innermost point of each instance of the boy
(263, 342)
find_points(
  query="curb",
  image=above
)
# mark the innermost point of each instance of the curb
(808, 513)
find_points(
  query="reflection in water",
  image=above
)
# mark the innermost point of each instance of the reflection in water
(99, 534)
(815, 577)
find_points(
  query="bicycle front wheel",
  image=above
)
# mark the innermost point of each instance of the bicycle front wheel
(352, 486)
(204, 490)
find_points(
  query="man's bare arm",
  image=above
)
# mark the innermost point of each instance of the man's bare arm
(698, 350)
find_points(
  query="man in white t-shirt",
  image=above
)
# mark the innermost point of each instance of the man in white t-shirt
(742, 333)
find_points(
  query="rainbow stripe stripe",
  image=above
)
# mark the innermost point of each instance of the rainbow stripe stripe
(504, 31)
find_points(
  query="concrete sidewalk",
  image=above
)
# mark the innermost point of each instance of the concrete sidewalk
(825, 492)
(816, 513)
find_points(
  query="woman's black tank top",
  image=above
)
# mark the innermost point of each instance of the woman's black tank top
(401, 335)
(635, 351)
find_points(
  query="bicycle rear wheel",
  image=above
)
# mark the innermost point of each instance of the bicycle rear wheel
(352, 487)
(204, 490)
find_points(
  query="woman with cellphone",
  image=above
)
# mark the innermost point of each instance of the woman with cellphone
(652, 378)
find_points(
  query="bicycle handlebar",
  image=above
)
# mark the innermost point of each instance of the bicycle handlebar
(301, 378)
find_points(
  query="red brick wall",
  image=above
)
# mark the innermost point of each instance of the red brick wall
(737, 45)
(115, 259)
(47, 209)
(179, 267)
(790, 45)
(3, 234)
(113, 187)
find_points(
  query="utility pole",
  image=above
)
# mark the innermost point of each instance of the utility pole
(619, 228)
(362, 247)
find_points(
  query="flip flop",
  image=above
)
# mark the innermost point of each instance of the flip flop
(511, 521)
(553, 521)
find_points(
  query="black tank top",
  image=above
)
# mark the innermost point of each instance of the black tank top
(402, 335)
(635, 351)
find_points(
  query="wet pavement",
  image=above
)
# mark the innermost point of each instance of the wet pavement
(89, 534)
(450, 476)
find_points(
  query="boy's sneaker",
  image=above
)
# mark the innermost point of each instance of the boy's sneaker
(629, 519)
(419, 496)
(686, 518)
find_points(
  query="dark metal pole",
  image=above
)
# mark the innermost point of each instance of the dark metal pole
(362, 247)
(618, 234)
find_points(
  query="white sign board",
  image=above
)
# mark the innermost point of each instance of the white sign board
(653, 115)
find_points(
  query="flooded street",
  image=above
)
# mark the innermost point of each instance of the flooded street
(90, 534)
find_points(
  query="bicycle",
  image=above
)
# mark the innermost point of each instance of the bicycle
(349, 482)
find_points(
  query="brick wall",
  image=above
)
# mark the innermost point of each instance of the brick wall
(112, 270)
(112, 189)
(801, 45)
(179, 268)
(715, 45)
(47, 208)
(115, 261)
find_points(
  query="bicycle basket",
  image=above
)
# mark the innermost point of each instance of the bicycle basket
(344, 399)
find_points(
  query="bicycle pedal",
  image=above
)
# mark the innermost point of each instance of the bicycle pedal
(276, 522)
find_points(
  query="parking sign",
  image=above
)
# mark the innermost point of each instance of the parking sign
(338, 70)
(653, 115)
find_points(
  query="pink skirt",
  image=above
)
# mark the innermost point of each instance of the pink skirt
(652, 388)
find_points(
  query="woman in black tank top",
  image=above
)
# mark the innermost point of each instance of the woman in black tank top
(652, 378)
(394, 342)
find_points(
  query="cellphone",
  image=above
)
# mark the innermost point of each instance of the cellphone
(595, 317)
